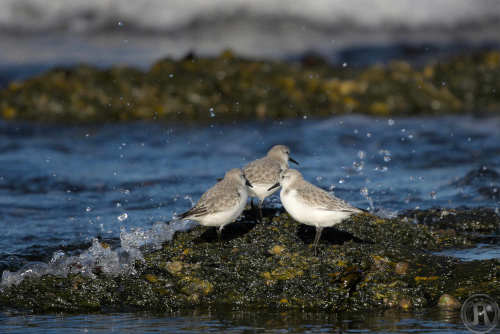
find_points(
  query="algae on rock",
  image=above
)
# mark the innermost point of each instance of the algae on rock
(367, 263)
(231, 88)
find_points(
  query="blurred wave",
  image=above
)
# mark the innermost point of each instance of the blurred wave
(159, 15)
(43, 33)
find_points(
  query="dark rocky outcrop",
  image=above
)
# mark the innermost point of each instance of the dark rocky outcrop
(367, 263)
(231, 88)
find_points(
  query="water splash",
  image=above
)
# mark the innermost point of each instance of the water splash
(122, 217)
(100, 257)
(212, 112)
(365, 193)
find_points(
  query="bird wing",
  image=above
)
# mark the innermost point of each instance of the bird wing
(323, 200)
(218, 198)
(196, 211)
(262, 171)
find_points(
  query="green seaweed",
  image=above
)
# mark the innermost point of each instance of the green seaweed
(365, 263)
(235, 88)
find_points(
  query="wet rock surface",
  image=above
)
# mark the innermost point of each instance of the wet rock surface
(230, 88)
(366, 263)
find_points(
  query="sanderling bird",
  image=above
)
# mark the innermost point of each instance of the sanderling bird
(221, 204)
(311, 205)
(265, 172)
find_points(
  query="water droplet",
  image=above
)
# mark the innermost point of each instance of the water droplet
(391, 122)
(171, 75)
(211, 111)
(344, 65)
(56, 256)
(118, 204)
(387, 158)
(122, 217)
(382, 169)
(443, 83)
(88, 209)
(358, 165)
(341, 181)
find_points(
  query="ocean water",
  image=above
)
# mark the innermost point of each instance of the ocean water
(227, 321)
(40, 34)
(158, 15)
(61, 187)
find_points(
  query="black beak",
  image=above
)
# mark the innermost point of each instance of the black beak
(292, 160)
(248, 183)
(276, 185)
(219, 179)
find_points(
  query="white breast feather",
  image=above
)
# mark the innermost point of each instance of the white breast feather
(309, 215)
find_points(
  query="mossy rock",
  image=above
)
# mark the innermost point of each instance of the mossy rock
(365, 263)
(232, 88)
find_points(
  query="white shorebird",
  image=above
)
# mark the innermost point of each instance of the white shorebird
(221, 204)
(311, 205)
(265, 172)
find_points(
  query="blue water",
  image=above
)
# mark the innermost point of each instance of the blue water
(227, 321)
(62, 186)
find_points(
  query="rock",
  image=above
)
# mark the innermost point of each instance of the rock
(364, 264)
(172, 90)
(401, 268)
(174, 267)
(405, 304)
(276, 250)
(447, 301)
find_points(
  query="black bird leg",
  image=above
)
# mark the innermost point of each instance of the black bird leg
(316, 238)
(219, 234)
(260, 211)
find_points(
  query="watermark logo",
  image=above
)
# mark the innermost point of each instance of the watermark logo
(480, 313)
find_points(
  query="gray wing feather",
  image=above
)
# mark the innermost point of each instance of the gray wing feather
(220, 197)
(321, 199)
(263, 171)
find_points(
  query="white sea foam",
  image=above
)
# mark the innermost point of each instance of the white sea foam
(106, 32)
(89, 15)
(100, 258)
